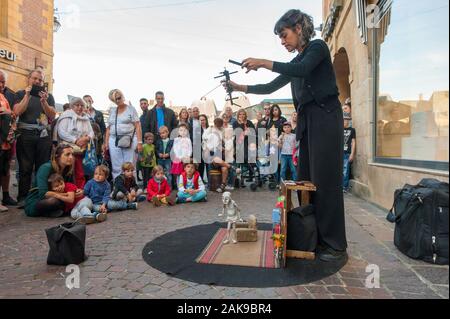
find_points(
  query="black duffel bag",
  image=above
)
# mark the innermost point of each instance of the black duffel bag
(420, 214)
(67, 244)
(302, 229)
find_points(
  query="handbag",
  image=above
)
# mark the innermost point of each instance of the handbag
(123, 141)
(67, 244)
(302, 229)
(90, 161)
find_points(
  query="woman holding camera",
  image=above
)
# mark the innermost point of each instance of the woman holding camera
(124, 133)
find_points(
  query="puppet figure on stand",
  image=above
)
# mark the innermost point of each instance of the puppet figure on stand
(233, 215)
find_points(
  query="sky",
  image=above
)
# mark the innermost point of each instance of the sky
(177, 46)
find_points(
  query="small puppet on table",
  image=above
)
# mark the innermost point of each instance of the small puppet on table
(233, 215)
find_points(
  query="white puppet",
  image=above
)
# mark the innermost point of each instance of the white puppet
(233, 215)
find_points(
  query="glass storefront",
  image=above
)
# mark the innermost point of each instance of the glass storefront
(412, 79)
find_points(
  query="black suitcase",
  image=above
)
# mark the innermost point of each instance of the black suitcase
(67, 244)
(302, 229)
(420, 214)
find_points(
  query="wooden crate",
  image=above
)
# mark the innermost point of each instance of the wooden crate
(303, 189)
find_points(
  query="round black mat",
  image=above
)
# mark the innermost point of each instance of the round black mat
(175, 253)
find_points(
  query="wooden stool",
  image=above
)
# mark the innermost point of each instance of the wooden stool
(214, 179)
(304, 189)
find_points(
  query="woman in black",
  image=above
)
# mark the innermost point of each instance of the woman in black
(245, 140)
(276, 120)
(320, 122)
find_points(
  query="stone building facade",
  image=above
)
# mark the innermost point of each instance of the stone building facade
(26, 40)
(400, 112)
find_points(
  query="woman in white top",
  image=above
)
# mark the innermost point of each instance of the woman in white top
(74, 128)
(124, 133)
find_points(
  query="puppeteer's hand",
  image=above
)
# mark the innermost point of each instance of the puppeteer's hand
(252, 64)
(233, 86)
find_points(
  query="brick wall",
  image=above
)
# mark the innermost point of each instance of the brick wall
(29, 34)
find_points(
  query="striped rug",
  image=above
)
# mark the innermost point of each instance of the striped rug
(259, 254)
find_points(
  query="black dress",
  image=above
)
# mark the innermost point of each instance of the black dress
(320, 131)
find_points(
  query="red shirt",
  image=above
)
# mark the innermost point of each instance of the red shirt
(71, 188)
(153, 189)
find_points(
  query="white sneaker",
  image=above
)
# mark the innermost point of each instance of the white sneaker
(229, 188)
(3, 209)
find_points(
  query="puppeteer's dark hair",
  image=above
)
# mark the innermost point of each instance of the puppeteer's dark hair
(291, 19)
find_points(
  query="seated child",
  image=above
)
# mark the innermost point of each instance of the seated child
(98, 190)
(190, 185)
(79, 208)
(158, 189)
(147, 159)
(125, 186)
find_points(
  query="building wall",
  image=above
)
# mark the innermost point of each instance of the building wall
(26, 28)
(373, 182)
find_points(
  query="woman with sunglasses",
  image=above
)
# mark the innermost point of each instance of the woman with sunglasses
(124, 133)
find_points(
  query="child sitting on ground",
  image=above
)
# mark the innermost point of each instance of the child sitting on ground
(148, 158)
(79, 208)
(125, 186)
(191, 188)
(158, 189)
(98, 190)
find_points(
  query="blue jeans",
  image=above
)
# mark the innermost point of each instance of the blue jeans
(83, 209)
(346, 175)
(167, 165)
(112, 206)
(182, 197)
(287, 161)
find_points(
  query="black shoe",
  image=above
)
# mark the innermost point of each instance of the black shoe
(8, 201)
(54, 214)
(331, 255)
(21, 203)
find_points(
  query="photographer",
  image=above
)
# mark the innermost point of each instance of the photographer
(36, 110)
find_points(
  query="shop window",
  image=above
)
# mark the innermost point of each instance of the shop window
(412, 80)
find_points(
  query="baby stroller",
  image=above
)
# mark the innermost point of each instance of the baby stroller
(258, 174)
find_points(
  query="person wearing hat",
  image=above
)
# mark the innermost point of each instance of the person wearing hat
(287, 143)
(349, 149)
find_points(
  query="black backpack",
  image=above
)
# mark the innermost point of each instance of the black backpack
(420, 214)
(67, 244)
(302, 229)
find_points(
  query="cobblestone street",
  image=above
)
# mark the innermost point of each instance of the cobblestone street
(115, 268)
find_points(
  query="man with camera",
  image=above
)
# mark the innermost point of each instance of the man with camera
(36, 110)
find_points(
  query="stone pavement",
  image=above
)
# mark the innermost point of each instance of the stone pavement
(115, 268)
